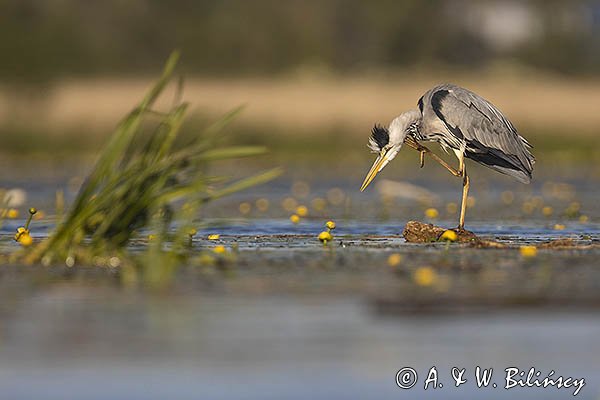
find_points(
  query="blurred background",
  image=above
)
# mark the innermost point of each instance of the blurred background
(312, 74)
(313, 77)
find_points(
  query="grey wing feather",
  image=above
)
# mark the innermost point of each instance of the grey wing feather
(489, 137)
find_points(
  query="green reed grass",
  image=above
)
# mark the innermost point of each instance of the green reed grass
(138, 177)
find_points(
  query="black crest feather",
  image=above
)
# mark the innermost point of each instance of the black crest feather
(380, 136)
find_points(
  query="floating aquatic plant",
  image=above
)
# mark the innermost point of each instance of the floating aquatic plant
(326, 236)
(23, 235)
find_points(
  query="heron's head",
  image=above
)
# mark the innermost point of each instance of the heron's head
(386, 143)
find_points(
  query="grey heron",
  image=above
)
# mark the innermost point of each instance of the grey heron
(461, 121)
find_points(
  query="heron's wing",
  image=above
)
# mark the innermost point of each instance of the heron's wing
(489, 137)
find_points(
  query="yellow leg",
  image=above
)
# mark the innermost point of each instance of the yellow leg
(424, 150)
(461, 164)
(462, 171)
(463, 205)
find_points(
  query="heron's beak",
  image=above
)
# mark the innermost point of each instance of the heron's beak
(384, 157)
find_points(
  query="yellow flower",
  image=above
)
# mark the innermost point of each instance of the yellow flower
(528, 207)
(294, 218)
(25, 239)
(302, 211)
(451, 208)
(214, 236)
(245, 208)
(547, 211)
(336, 196)
(325, 237)
(192, 232)
(431, 213)
(424, 276)
(537, 201)
(20, 232)
(262, 204)
(394, 259)
(330, 225)
(572, 210)
(528, 251)
(449, 236)
(318, 203)
(300, 189)
(219, 249)
(559, 227)
(12, 213)
(289, 204)
(151, 237)
(584, 219)
(507, 197)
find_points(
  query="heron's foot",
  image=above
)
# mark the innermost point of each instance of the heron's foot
(410, 142)
(465, 235)
(460, 230)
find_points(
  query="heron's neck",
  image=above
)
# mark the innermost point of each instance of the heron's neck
(414, 129)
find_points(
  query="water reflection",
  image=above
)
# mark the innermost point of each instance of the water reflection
(82, 342)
